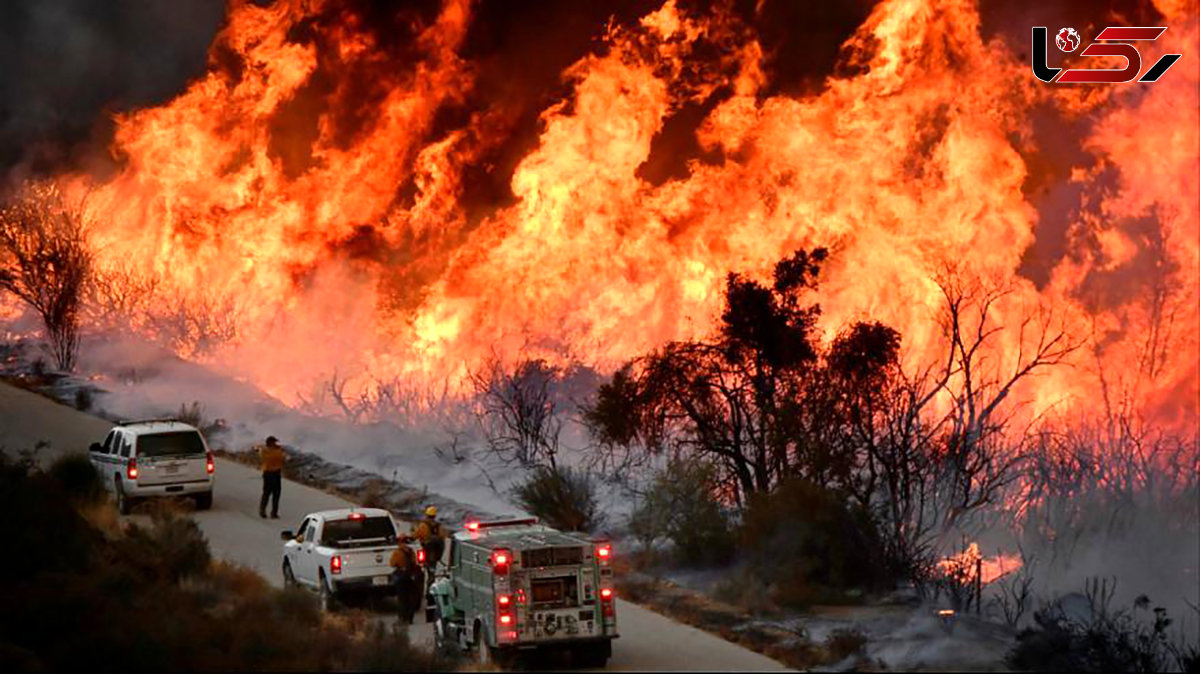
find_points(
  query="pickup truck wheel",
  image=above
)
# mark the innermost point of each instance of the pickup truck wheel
(325, 597)
(289, 578)
(204, 500)
(123, 501)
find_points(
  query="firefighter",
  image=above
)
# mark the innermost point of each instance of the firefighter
(407, 578)
(272, 457)
(432, 536)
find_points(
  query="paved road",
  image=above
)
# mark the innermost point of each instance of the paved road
(649, 641)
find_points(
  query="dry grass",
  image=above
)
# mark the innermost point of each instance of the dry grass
(97, 589)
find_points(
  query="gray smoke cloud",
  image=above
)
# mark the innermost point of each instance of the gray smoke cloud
(64, 64)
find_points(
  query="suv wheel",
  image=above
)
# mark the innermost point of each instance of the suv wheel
(204, 500)
(289, 578)
(123, 502)
(325, 597)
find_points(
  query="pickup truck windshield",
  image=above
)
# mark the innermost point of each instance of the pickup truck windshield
(358, 531)
(170, 444)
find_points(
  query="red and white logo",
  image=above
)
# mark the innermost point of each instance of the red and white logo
(1112, 41)
(1067, 39)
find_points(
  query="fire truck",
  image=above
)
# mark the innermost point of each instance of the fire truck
(516, 585)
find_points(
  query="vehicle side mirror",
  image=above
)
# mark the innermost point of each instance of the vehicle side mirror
(96, 447)
(287, 535)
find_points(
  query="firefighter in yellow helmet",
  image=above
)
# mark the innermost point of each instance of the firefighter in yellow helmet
(432, 536)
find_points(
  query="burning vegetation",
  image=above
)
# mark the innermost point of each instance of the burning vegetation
(318, 189)
(912, 287)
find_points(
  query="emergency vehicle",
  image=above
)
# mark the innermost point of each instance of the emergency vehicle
(517, 585)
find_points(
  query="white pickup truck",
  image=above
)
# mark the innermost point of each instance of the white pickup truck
(339, 553)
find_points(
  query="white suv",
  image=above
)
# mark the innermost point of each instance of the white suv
(155, 458)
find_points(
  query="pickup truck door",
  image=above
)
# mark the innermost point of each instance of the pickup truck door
(306, 556)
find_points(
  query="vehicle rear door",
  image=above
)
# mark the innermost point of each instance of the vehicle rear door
(122, 449)
(102, 460)
(172, 457)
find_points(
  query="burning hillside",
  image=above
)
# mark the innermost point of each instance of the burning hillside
(326, 191)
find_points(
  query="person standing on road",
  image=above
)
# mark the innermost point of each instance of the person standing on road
(432, 536)
(272, 476)
(407, 579)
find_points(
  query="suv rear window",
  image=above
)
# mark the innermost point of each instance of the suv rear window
(348, 532)
(170, 444)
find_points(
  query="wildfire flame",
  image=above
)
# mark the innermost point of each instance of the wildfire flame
(275, 182)
(964, 564)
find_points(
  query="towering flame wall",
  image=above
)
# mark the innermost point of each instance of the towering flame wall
(312, 177)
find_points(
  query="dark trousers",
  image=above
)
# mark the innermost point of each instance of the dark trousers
(433, 555)
(409, 586)
(272, 486)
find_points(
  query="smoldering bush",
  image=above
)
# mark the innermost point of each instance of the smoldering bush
(1086, 636)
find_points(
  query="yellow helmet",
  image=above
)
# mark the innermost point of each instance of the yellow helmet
(431, 511)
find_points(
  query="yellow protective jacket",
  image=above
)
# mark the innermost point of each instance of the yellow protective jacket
(428, 530)
(403, 558)
(272, 458)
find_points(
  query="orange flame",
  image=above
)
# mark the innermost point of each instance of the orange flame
(919, 161)
(991, 569)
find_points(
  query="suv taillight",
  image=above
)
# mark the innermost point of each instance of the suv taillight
(209, 464)
(132, 470)
(335, 564)
(421, 556)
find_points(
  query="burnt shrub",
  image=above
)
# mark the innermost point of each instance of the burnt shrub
(563, 498)
(1099, 640)
(811, 545)
(682, 506)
